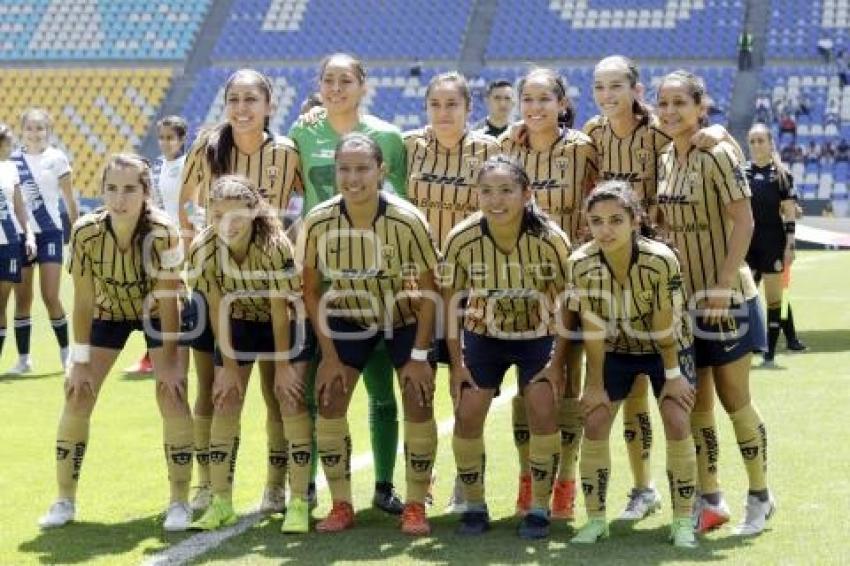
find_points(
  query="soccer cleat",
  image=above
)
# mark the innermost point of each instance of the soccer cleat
(474, 521)
(386, 499)
(767, 363)
(340, 518)
(594, 530)
(178, 517)
(297, 520)
(142, 367)
(564, 500)
(202, 499)
(682, 533)
(219, 514)
(708, 516)
(456, 504)
(796, 346)
(23, 366)
(60, 514)
(641, 504)
(274, 499)
(535, 525)
(758, 513)
(523, 498)
(414, 520)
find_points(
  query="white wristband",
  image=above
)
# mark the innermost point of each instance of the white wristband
(672, 373)
(419, 355)
(80, 353)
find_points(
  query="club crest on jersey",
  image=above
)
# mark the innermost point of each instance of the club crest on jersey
(693, 178)
(642, 155)
(562, 163)
(272, 171)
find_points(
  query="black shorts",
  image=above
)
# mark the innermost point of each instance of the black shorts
(48, 248)
(767, 258)
(196, 320)
(721, 344)
(11, 261)
(113, 334)
(251, 340)
(354, 344)
(621, 370)
(488, 358)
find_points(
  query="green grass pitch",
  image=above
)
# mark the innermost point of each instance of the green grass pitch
(123, 487)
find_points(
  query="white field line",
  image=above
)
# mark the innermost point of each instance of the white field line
(202, 543)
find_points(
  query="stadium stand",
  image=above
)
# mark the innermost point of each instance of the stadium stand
(95, 112)
(55, 30)
(808, 29)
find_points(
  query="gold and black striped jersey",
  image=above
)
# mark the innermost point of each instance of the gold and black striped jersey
(560, 176)
(625, 309)
(692, 199)
(123, 279)
(512, 294)
(633, 158)
(440, 180)
(367, 269)
(243, 285)
(275, 168)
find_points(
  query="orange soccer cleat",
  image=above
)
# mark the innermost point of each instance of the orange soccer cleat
(414, 520)
(340, 518)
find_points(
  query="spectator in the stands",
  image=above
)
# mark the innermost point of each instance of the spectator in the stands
(763, 112)
(825, 46)
(827, 153)
(787, 153)
(787, 124)
(842, 152)
(812, 152)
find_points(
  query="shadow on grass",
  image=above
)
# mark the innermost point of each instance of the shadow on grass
(831, 340)
(84, 541)
(376, 538)
(10, 378)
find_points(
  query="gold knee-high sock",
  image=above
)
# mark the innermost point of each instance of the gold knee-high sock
(333, 441)
(637, 431)
(278, 454)
(682, 475)
(595, 474)
(178, 439)
(544, 454)
(570, 423)
(224, 447)
(71, 441)
(704, 431)
(299, 434)
(471, 465)
(202, 428)
(519, 420)
(420, 450)
(752, 441)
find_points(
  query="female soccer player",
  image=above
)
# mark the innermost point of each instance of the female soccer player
(123, 256)
(366, 243)
(45, 174)
(167, 173)
(562, 165)
(17, 241)
(510, 260)
(774, 203)
(628, 140)
(241, 145)
(704, 202)
(246, 270)
(342, 86)
(628, 291)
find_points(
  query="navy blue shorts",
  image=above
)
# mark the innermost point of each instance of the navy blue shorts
(354, 344)
(621, 370)
(113, 334)
(250, 338)
(724, 343)
(488, 358)
(196, 320)
(48, 247)
(11, 262)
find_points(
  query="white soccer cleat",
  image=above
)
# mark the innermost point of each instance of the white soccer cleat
(60, 514)
(23, 366)
(274, 500)
(178, 517)
(758, 513)
(202, 499)
(457, 505)
(641, 504)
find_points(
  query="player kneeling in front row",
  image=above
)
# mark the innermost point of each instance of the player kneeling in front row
(628, 291)
(366, 244)
(123, 256)
(247, 269)
(510, 259)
